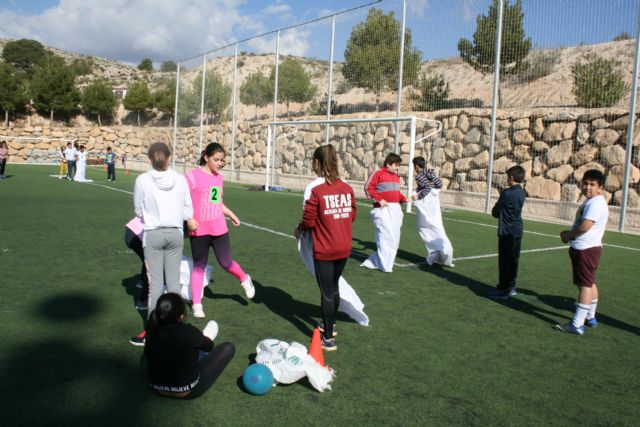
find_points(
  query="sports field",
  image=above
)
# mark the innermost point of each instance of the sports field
(437, 351)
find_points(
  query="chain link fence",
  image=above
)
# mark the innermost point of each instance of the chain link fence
(552, 94)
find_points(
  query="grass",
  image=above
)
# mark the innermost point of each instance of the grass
(437, 351)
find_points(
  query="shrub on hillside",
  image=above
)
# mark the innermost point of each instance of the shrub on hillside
(539, 64)
(597, 82)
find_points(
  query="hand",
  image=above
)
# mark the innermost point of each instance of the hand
(564, 236)
(234, 220)
(192, 224)
(383, 203)
(414, 197)
(297, 232)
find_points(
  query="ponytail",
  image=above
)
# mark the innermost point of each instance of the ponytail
(327, 162)
(169, 309)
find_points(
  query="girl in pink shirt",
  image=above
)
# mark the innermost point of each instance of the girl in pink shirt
(205, 185)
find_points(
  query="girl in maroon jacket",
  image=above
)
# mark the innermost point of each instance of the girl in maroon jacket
(329, 213)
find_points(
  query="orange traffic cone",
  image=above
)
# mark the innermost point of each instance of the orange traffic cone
(315, 348)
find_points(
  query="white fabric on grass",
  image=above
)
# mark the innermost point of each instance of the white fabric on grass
(431, 229)
(186, 266)
(350, 303)
(388, 222)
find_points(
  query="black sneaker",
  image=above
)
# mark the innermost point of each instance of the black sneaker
(329, 344)
(139, 339)
(321, 328)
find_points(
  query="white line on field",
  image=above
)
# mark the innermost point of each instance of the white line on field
(402, 265)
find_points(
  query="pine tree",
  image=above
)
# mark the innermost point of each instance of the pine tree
(138, 98)
(53, 88)
(99, 100)
(12, 92)
(480, 53)
(294, 83)
(372, 56)
(256, 90)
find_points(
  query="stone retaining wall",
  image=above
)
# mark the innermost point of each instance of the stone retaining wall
(554, 148)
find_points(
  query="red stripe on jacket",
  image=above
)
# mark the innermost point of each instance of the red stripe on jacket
(329, 212)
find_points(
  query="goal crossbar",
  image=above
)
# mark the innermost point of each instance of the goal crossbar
(272, 138)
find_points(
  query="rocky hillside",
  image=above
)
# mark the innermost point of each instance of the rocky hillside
(118, 73)
(549, 86)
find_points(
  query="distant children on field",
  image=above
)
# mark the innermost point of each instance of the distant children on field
(71, 154)
(63, 162)
(210, 227)
(508, 210)
(4, 153)
(161, 200)
(383, 189)
(585, 250)
(429, 216)
(111, 165)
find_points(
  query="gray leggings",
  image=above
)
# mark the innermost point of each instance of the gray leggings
(162, 256)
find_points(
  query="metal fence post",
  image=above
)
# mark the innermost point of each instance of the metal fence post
(400, 72)
(632, 117)
(204, 78)
(330, 86)
(175, 118)
(233, 112)
(272, 149)
(494, 107)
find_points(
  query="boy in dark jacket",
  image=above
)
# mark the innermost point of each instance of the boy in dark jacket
(508, 210)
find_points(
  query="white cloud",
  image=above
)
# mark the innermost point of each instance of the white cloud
(277, 8)
(131, 30)
(292, 42)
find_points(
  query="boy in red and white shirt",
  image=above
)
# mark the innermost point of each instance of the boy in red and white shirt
(383, 188)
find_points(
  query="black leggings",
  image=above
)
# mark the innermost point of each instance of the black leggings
(328, 274)
(134, 243)
(211, 366)
(3, 163)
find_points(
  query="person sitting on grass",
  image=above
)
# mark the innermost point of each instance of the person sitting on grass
(585, 250)
(182, 360)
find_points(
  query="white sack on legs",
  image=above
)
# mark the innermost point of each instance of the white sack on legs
(388, 222)
(431, 229)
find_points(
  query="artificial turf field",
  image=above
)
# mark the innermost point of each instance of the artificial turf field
(437, 351)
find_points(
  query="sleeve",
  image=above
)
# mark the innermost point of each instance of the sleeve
(594, 211)
(353, 205)
(495, 212)
(370, 187)
(187, 209)
(310, 213)
(138, 196)
(201, 341)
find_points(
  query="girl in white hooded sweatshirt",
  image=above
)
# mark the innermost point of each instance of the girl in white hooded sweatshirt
(162, 201)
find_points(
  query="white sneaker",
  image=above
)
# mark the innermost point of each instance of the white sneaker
(247, 285)
(211, 330)
(197, 310)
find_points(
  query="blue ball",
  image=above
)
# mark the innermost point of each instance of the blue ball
(257, 379)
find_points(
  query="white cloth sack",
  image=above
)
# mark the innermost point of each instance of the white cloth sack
(186, 265)
(350, 303)
(81, 169)
(388, 222)
(431, 229)
(290, 362)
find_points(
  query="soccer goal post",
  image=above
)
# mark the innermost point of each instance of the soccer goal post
(361, 144)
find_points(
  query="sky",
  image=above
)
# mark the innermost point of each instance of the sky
(130, 30)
